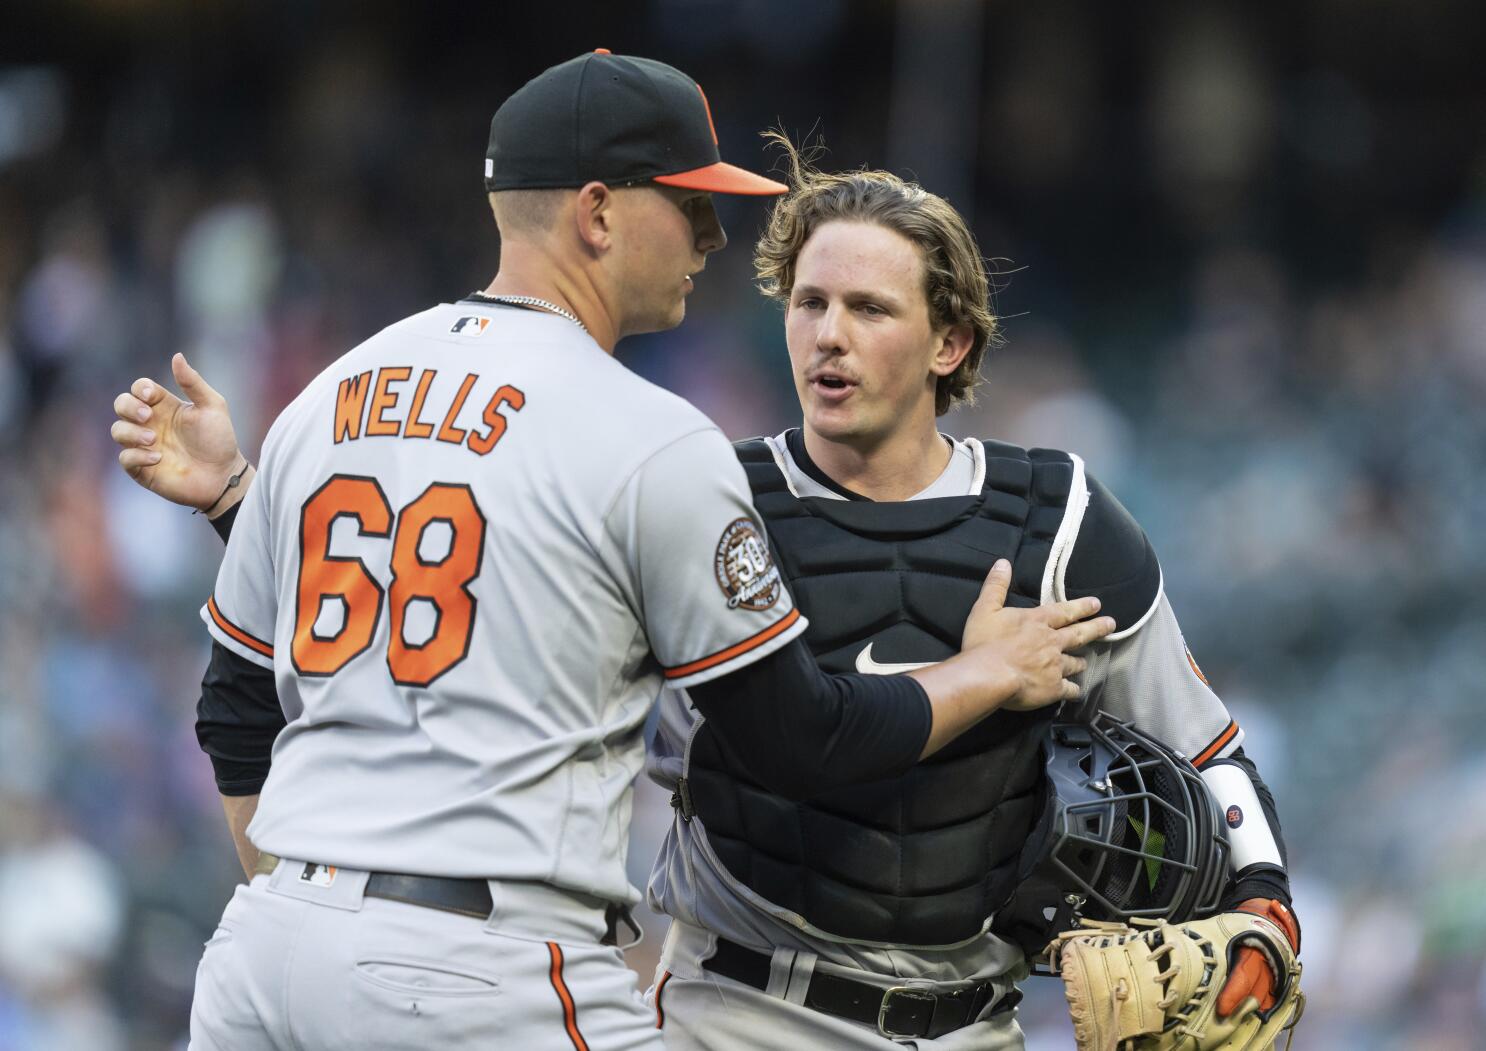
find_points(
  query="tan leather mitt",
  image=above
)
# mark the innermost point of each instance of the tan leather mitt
(1154, 986)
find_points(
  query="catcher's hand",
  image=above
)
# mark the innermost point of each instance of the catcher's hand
(1157, 986)
(1251, 974)
(184, 451)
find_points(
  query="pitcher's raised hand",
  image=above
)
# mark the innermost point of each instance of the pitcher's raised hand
(183, 450)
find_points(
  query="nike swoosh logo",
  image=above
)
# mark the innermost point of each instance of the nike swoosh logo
(867, 666)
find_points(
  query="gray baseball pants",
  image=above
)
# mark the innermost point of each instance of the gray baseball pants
(316, 966)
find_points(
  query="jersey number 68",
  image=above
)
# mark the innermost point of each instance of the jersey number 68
(334, 578)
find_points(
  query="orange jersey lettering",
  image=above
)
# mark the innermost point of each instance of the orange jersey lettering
(377, 423)
(350, 399)
(447, 431)
(416, 428)
(494, 421)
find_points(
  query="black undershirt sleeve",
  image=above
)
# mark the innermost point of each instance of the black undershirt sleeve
(1260, 880)
(223, 522)
(801, 731)
(238, 715)
(237, 719)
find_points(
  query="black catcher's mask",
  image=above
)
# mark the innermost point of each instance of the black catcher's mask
(1128, 830)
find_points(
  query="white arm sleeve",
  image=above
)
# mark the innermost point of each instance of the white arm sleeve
(709, 594)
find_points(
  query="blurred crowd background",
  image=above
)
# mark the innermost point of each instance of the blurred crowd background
(1243, 272)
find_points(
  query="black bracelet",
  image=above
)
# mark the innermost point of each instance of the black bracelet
(232, 483)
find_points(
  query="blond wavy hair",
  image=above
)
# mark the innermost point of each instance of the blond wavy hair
(956, 283)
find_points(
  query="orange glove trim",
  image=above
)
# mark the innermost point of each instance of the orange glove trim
(1251, 975)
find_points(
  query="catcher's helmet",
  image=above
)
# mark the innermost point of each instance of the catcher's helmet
(1128, 830)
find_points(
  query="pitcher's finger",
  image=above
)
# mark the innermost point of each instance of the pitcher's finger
(131, 435)
(1077, 636)
(1062, 613)
(1071, 692)
(136, 460)
(128, 407)
(193, 384)
(147, 390)
(1073, 665)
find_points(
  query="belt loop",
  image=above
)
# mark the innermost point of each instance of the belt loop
(614, 915)
(327, 885)
(498, 905)
(789, 974)
(799, 982)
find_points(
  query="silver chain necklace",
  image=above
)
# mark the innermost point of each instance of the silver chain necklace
(533, 301)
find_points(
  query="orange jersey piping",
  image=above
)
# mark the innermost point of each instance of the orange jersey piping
(1219, 743)
(234, 632)
(723, 656)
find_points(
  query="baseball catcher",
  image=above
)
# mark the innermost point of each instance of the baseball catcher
(880, 915)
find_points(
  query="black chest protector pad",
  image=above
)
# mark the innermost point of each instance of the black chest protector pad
(925, 858)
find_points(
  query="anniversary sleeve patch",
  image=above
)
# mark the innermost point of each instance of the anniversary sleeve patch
(1193, 662)
(745, 569)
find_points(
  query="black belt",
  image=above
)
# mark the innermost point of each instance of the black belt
(901, 1011)
(467, 897)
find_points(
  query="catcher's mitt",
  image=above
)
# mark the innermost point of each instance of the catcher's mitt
(1154, 986)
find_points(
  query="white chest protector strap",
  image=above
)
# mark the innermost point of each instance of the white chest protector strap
(1055, 573)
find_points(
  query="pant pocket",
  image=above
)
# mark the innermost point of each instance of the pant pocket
(398, 1002)
(224, 1010)
(415, 976)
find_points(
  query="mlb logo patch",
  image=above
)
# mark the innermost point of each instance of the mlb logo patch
(318, 875)
(470, 326)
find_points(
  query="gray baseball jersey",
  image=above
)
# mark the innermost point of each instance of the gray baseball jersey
(1145, 675)
(476, 548)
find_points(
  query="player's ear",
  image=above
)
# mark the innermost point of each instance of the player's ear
(593, 216)
(954, 343)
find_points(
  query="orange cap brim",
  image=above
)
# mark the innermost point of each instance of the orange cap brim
(724, 178)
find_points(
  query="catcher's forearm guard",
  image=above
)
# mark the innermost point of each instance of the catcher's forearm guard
(1250, 839)
(1154, 986)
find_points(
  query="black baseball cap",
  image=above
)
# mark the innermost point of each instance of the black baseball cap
(614, 119)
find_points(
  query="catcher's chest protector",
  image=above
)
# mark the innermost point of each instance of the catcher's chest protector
(923, 859)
